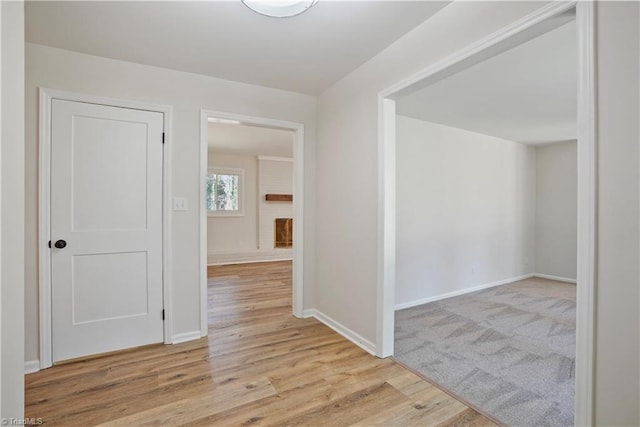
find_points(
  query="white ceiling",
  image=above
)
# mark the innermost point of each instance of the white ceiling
(225, 39)
(527, 94)
(250, 140)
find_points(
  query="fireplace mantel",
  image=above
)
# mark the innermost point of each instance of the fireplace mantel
(279, 197)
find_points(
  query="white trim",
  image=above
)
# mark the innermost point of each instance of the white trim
(587, 215)
(31, 366)
(506, 38)
(242, 257)
(385, 323)
(298, 204)
(44, 233)
(556, 278)
(298, 224)
(253, 261)
(186, 336)
(461, 292)
(237, 257)
(44, 171)
(421, 301)
(338, 327)
(256, 252)
(276, 159)
(167, 218)
(204, 163)
(3, 142)
(516, 33)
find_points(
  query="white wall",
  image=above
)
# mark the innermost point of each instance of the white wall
(345, 221)
(187, 94)
(617, 375)
(229, 234)
(347, 159)
(465, 212)
(250, 237)
(473, 210)
(275, 177)
(12, 221)
(557, 209)
(347, 156)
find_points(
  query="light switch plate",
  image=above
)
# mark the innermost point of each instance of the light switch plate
(180, 204)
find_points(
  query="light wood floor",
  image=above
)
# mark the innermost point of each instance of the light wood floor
(258, 366)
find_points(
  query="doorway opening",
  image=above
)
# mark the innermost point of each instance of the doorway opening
(251, 180)
(540, 22)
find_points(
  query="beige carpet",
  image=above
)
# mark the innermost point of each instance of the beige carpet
(509, 350)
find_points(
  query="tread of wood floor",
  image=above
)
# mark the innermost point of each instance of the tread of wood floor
(258, 366)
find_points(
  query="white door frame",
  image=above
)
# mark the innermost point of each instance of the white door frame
(298, 204)
(512, 35)
(44, 209)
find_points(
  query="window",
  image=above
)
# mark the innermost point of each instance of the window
(224, 192)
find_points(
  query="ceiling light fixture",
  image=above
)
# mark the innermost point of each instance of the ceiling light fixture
(279, 8)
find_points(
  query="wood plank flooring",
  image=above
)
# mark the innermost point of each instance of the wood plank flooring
(258, 366)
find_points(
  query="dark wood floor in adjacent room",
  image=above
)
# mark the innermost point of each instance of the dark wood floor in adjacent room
(258, 366)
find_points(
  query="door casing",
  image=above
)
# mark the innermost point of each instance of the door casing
(44, 211)
(500, 41)
(298, 204)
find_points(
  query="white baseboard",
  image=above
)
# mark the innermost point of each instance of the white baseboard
(31, 366)
(308, 312)
(223, 258)
(558, 278)
(352, 336)
(249, 262)
(421, 301)
(184, 337)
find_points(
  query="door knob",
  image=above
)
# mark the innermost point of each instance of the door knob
(60, 244)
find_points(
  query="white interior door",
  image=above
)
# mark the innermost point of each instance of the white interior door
(106, 228)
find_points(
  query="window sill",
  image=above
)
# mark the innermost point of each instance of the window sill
(224, 214)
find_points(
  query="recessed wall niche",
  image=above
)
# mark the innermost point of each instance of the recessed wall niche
(283, 230)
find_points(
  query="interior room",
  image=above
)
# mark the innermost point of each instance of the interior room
(486, 243)
(249, 193)
(249, 233)
(105, 309)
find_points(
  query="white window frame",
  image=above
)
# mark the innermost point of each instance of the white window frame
(229, 171)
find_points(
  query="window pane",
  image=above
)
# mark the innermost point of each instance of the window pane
(222, 192)
(210, 192)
